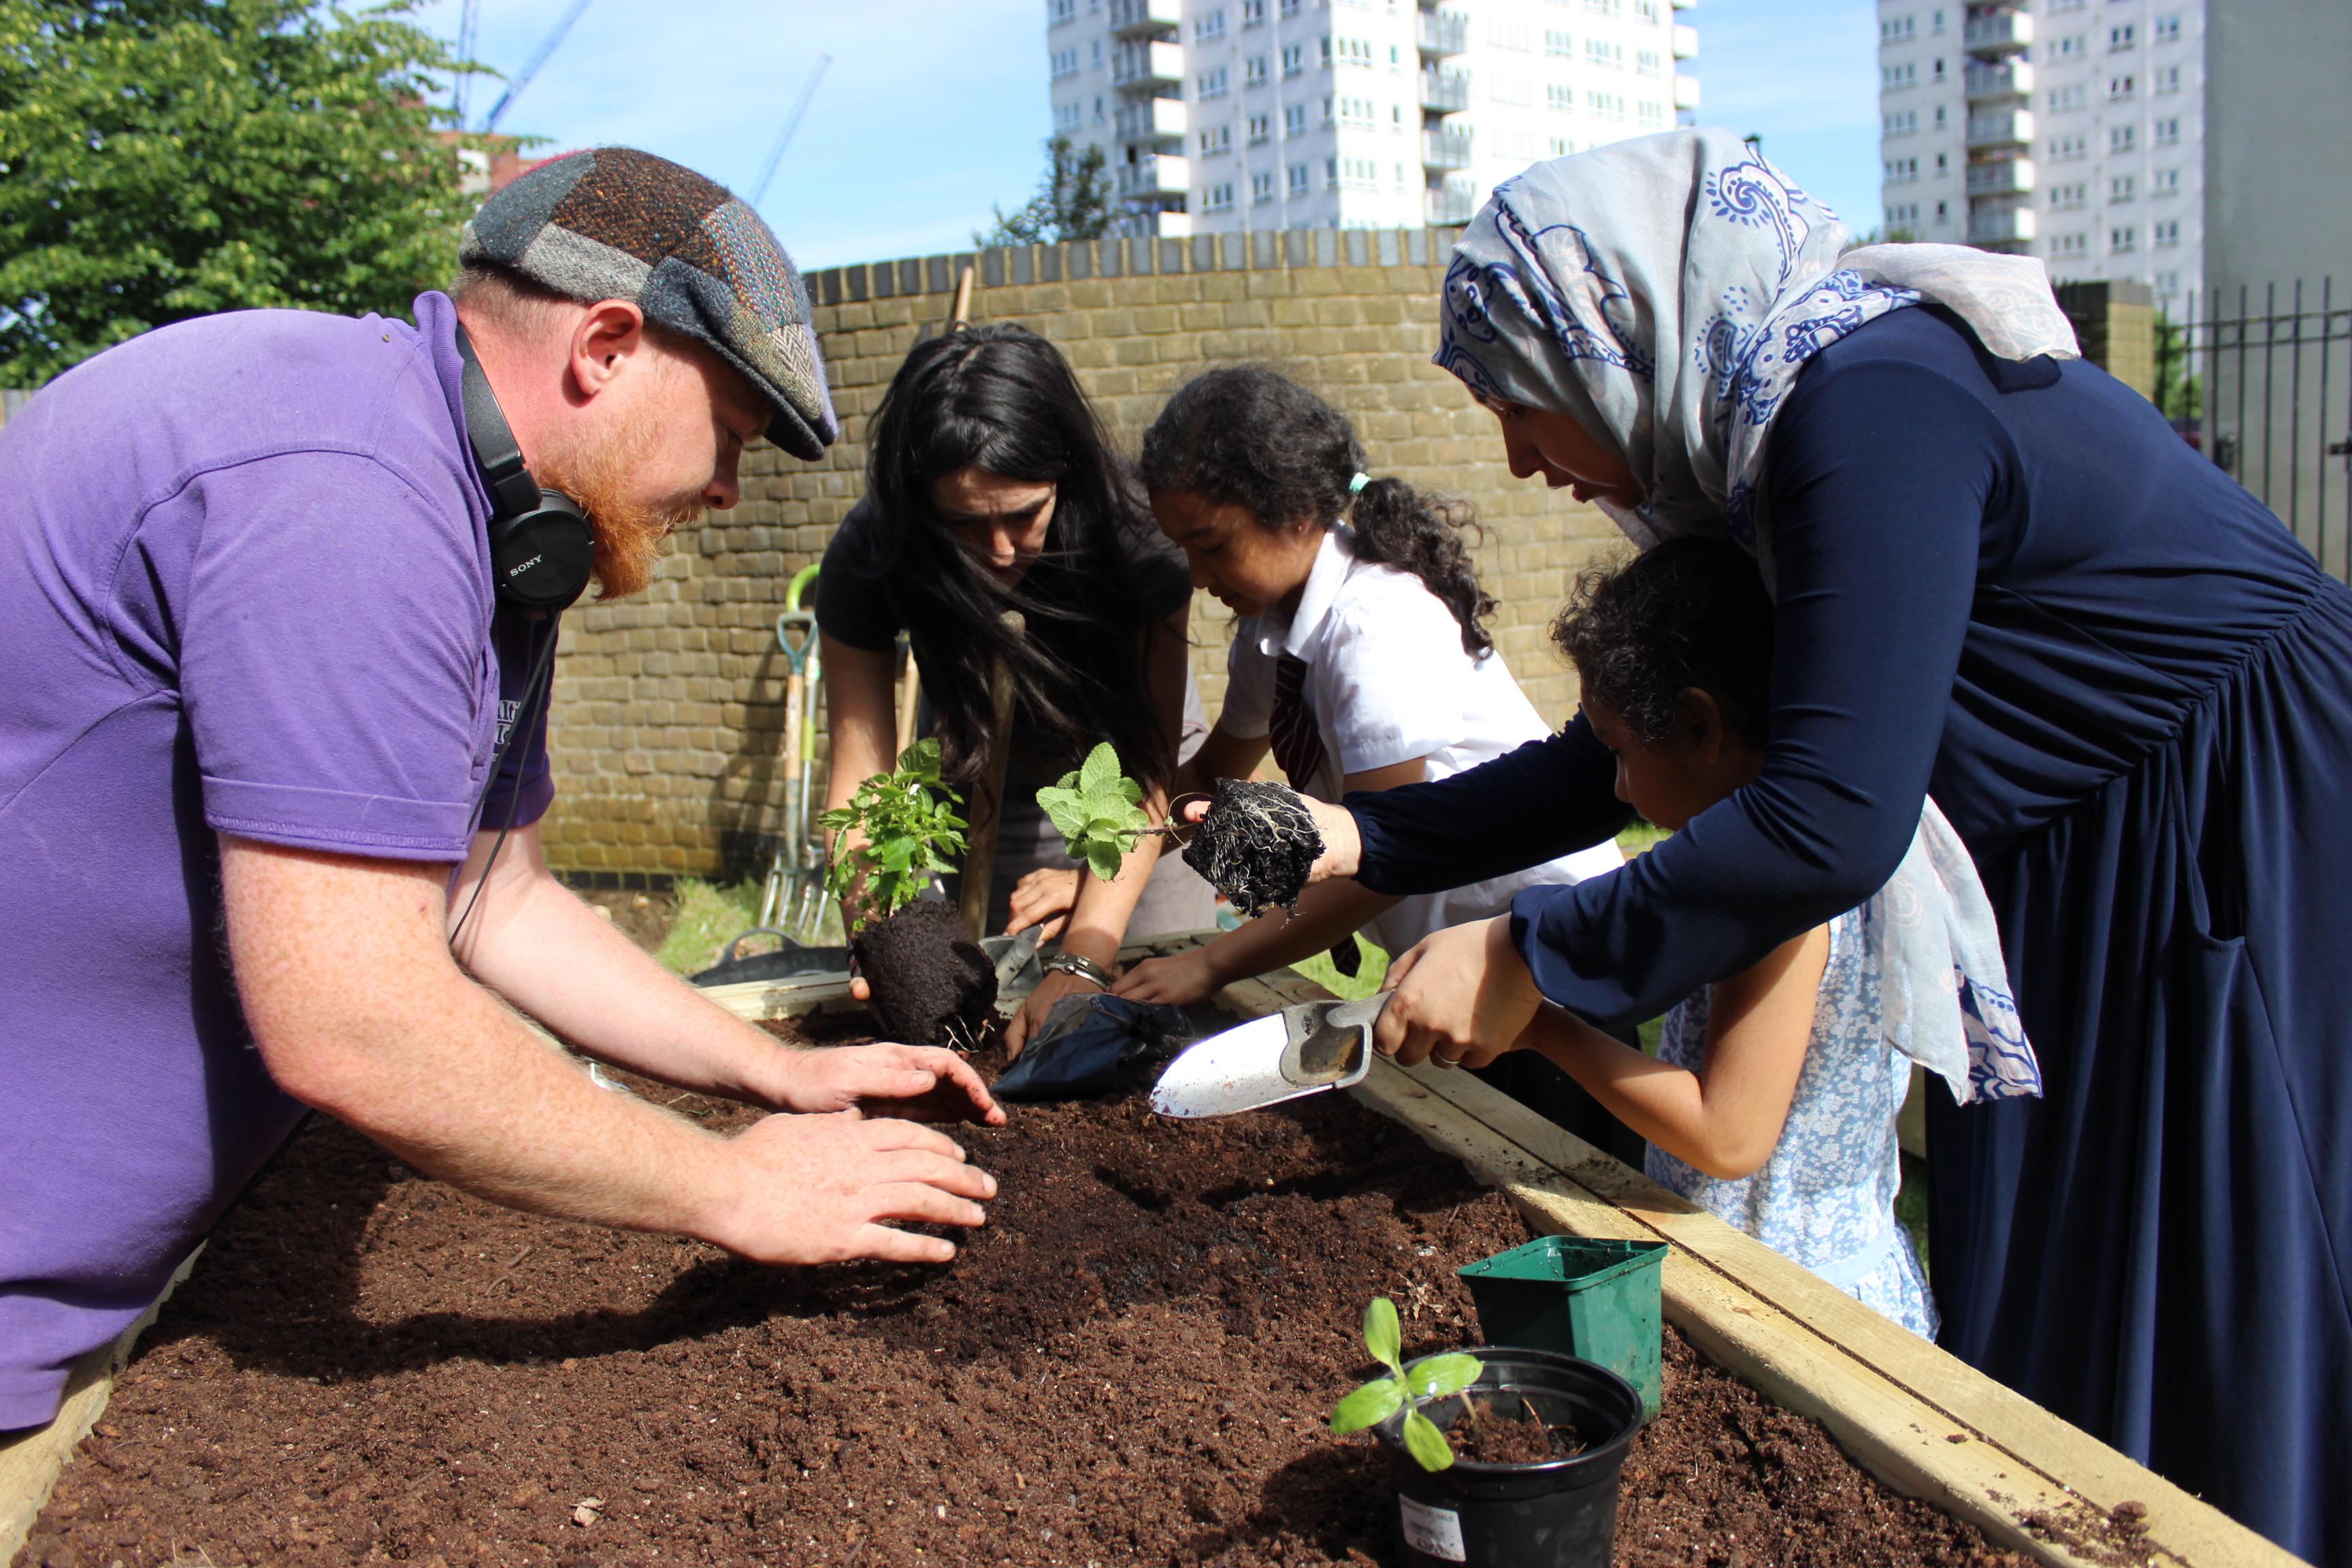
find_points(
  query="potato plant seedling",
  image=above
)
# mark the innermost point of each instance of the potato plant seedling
(1434, 1378)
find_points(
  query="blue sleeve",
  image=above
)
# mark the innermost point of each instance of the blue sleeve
(1547, 798)
(1878, 481)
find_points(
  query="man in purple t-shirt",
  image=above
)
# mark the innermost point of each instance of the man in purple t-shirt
(253, 674)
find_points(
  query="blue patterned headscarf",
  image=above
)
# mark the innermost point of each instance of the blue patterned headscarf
(1665, 291)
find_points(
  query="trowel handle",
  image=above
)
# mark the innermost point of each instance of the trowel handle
(1362, 1013)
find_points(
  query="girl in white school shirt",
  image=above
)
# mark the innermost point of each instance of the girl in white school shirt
(1359, 659)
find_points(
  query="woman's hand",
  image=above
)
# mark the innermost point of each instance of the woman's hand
(1048, 894)
(1057, 983)
(1343, 847)
(1462, 997)
(1176, 981)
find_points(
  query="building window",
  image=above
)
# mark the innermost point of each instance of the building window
(1360, 111)
(1943, 211)
(1253, 13)
(1556, 42)
(2065, 99)
(1936, 74)
(2066, 149)
(2123, 36)
(1560, 96)
(1647, 113)
(2069, 246)
(2073, 46)
(1214, 84)
(1943, 163)
(1064, 64)
(1647, 11)
(1217, 198)
(1207, 28)
(2167, 132)
(2164, 182)
(1605, 105)
(2122, 188)
(1901, 171)
(1255, 71)
(2123, 138)
(1893, 77)
(2165, 30)
(1905, 123)
(1216, 139)
(2122, 239)
(1327, 112)
(1901, 215)
(1648, 62)
(2166, 79)
(1293, 120)
(1503, 34)
(1294, 58)
(2166, 234)
(1298, 179)
(1261, 128)
(1562, 146)
(1262, 186)
(1099, 108)
(1290, 7)
(1939, 117)
(1065, 118)
(2119, 88)
(1602, 55)
(1351, 51)
(1060, 11)
(1898, 29)
(1604, 7)
(1935, 23)
(2069, 199)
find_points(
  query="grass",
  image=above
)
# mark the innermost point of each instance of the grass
(708, 918)
(1367, 979)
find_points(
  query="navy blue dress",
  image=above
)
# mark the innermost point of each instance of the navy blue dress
(2131, 691)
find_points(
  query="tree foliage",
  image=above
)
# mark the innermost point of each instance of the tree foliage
(164, 159)
(1072, 201)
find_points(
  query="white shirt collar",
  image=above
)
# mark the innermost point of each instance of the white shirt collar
(1294, 634)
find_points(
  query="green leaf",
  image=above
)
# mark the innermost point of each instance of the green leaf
(1100, 771)
(1425, 1442)
(1383, 1336)
(1068, 817)
(1104, 860)
(1132, 791)
(1443, 1374)
(1368, 1406)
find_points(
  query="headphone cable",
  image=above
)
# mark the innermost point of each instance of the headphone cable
(538, 686)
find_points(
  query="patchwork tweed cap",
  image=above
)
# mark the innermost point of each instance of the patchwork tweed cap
(619, 224)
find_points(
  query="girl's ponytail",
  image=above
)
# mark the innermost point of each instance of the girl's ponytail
(1397, 525)
(1247, 436)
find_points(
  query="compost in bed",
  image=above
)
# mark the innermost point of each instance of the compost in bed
(1131, 1363)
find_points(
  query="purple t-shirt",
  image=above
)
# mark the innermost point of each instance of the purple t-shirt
(245, 588)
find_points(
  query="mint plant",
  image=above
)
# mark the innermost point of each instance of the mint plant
(1098, 810)
(911, 831)
(1377, 1400)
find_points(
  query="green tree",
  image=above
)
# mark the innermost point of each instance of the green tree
(1072, 201)
(164, 159)
(2179, 394)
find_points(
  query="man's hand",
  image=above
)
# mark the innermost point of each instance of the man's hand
(1047, 895)
(1462, 997)
(928, 1083)
(1176, 981)
(818, 1189)
(1343, 846)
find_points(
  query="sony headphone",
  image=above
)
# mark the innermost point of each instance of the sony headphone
(541, 548)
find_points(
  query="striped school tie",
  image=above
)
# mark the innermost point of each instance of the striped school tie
(1297, 740)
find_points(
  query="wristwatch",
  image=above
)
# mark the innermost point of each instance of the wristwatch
(1081, 966)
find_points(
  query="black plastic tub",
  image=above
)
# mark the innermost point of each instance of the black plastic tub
(1560, 1513)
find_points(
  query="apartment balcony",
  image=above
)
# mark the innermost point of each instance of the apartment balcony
(2012, 78)
(2004, 177)
(2000, 225)
(1452, 203)
(2001, 33)
(2003, 128)
(1686, 44)
(1153, 65)
(1153, 119)
(1144, 18)
(1172, 225)
(1443, 33)
(1444, 92)
(1445, 150)
(1159, 174)
(1684, 4)
(1686, 92)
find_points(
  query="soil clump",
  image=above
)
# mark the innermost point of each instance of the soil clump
(933, 984)
(1132, 1362)
(1509, 1433)
(1257, 844)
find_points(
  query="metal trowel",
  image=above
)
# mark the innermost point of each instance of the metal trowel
(1301, 1050)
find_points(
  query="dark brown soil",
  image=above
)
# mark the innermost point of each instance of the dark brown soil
(1131, 1363)
(933, 984)
(1257, 845)
(643, 918)
(1509, 1433)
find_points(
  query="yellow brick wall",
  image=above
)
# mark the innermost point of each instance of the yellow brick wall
(669, 708)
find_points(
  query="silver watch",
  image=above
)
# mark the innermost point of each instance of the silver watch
(1081, 966)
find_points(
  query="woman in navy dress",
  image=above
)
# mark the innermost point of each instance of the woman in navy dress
(2001, 581)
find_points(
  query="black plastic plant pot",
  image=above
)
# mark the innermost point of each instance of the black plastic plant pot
(1558, 1513)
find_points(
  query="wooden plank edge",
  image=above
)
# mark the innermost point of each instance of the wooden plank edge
(30, 1465)
(1885, 1425)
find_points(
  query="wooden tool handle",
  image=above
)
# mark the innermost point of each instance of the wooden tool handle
(988, 809)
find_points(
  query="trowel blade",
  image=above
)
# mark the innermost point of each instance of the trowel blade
(1239, 1069)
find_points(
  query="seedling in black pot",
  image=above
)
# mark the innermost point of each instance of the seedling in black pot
(1432, 1378)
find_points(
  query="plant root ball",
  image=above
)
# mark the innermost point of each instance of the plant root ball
(1257, 844)
(933, 984)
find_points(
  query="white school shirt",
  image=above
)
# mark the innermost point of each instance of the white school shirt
(1389, 681)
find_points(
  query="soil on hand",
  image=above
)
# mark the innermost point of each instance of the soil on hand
(1257, 844)
(1131, 1363)
(933, 984)
(1506, 1432)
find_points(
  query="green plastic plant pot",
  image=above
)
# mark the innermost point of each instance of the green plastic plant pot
(1596, 1299)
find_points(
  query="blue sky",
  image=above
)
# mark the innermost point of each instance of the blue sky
(934, 112)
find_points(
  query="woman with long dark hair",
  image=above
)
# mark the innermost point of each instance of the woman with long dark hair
(992, 486)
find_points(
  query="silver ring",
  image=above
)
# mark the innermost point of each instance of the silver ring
(1446, 1061)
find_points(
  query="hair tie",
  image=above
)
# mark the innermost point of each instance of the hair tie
(1356, 486)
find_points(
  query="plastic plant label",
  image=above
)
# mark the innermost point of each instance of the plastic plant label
(1432, 1532)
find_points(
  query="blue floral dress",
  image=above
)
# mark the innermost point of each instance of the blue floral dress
(1826, 1198)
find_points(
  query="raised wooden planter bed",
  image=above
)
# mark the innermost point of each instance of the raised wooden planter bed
(1917, 1418)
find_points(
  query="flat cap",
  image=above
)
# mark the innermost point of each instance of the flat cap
(619, 224)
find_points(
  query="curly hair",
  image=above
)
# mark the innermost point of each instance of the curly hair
(1247, 436)
(1689, 614)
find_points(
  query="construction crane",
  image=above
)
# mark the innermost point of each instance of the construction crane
(784, 138)
(522, 79)
(461, 88)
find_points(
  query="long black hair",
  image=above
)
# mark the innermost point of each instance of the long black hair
(1001, 398)
(1248, 436)
(1690, 614)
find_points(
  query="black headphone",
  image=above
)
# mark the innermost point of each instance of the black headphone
(541, 548)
